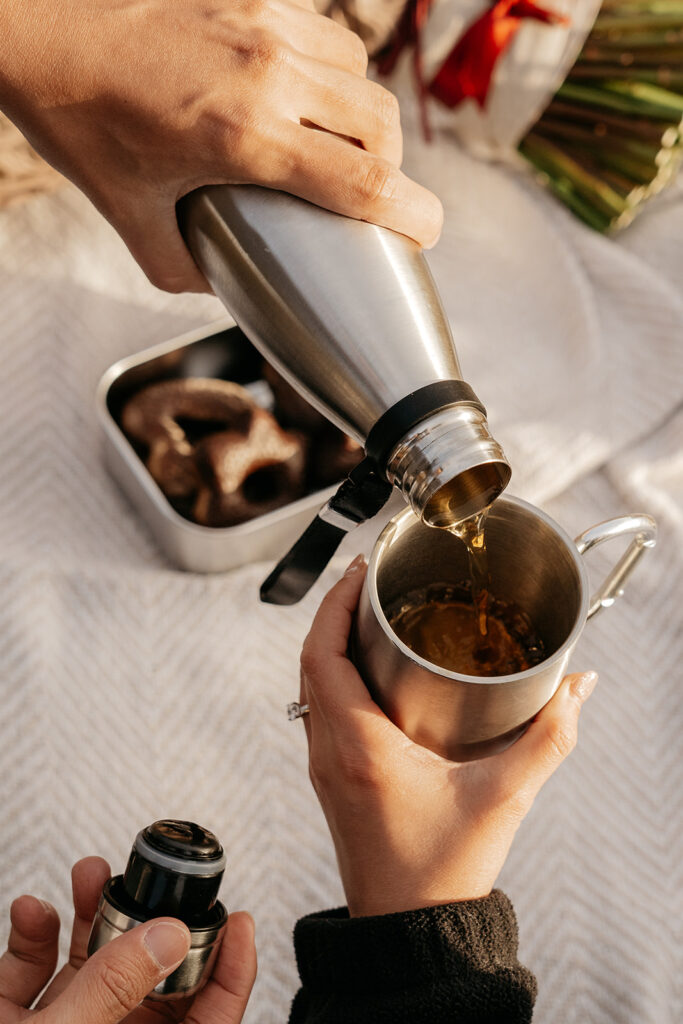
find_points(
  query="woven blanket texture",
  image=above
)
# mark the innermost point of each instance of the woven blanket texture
(131, 691)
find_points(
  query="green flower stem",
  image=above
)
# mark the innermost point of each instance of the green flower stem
(550, 158)
(587, 158)
(626, 125)
(638, 40)
(630, 193)
(583, 210)
(564, 191)
(628, 8)
(626, 102)
(668, 77)
(638, 8)
(640, 172)
(646, 151)
(625, 22)
(626, 57)
(654, 95)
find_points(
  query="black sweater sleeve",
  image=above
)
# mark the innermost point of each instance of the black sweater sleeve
(451, 964)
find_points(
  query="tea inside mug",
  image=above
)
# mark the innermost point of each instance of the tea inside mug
(533, 571)
(464, 629)
(441, 624)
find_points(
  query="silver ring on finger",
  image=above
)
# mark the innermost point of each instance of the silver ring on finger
(296, 710)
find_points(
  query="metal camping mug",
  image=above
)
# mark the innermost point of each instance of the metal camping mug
(532, 563)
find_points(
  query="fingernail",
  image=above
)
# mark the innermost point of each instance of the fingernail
(354, 566)
(167, 944)
(583, 685)
(47, 907)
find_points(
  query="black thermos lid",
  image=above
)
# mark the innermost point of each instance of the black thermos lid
(175, 868)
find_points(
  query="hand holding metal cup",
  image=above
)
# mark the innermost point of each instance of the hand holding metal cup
(532, 563)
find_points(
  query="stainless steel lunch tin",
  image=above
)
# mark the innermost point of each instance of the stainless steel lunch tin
(188, 545)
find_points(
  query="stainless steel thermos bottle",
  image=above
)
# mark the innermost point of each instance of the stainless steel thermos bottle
(349, 313)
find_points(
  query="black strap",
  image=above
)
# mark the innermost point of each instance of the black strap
(358, 498)
(411, 410)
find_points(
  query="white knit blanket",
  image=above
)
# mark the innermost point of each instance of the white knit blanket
(131, 691)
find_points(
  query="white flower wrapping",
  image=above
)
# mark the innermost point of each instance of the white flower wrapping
(525, 76)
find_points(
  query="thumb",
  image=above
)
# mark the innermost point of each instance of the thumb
(329, 634)
(552, 735)
(149, 227)
(119, 976)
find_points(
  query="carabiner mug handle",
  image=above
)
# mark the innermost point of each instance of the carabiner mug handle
(645, 530)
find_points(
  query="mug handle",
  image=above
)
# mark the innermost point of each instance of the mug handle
(645, 530)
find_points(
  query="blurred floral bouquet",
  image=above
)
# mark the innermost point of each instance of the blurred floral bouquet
(589, 92)
(612, 135)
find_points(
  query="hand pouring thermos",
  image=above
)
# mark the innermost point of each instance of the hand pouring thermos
(349, 314)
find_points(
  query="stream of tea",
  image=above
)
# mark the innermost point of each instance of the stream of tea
(471, 532)
(462, 627)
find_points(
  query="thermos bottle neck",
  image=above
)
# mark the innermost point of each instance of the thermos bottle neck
(449, 467)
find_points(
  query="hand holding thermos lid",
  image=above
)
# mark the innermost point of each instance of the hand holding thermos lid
(158, 933)
(175, 868)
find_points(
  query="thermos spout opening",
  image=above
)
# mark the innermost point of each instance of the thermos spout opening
(469, 492)
(449, 467)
